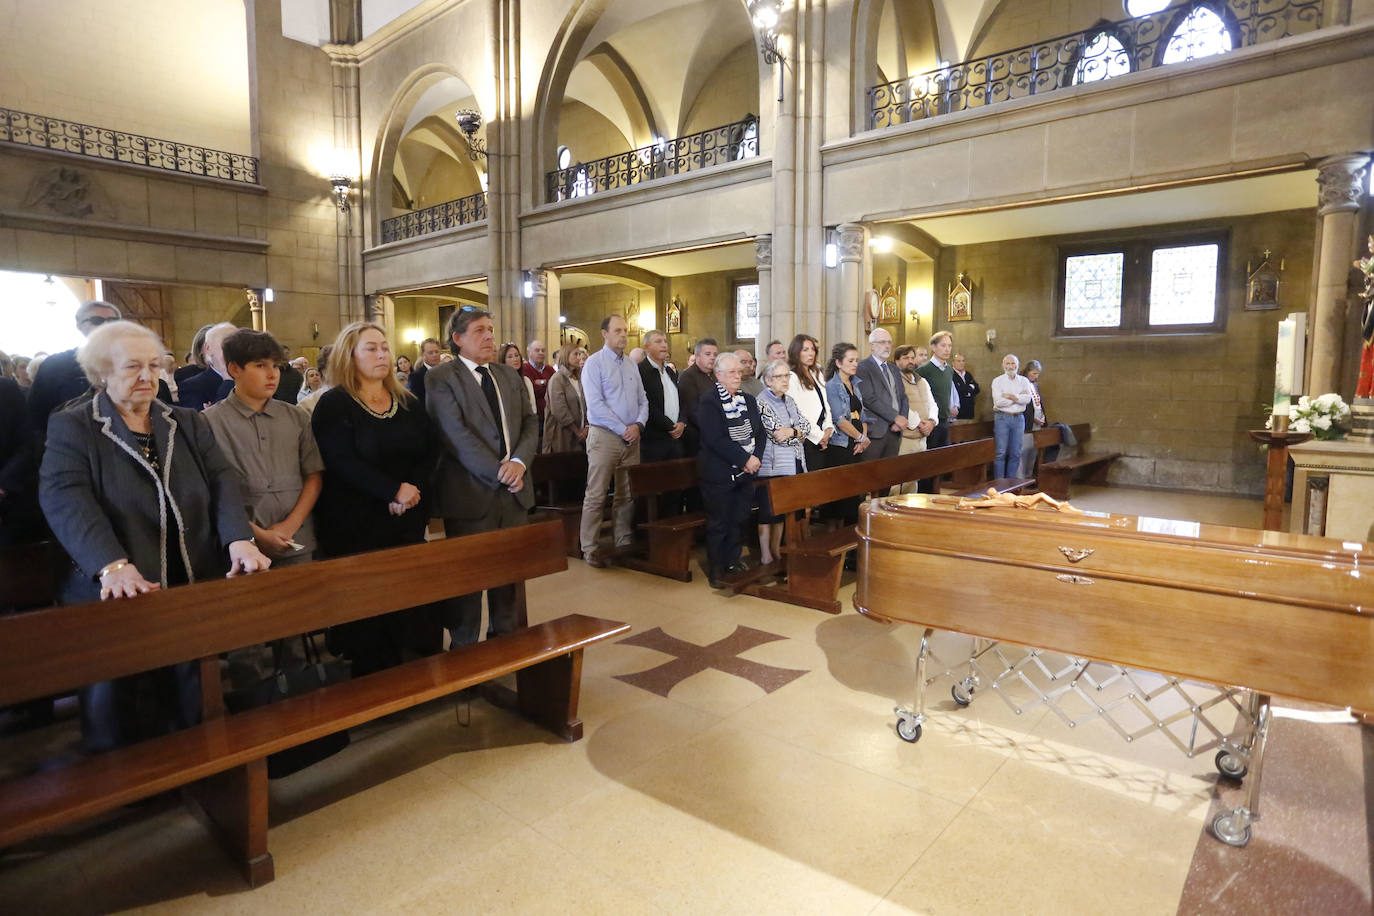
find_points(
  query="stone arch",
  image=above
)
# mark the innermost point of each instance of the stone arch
(568, 49)
(391, 132)
(917, 30)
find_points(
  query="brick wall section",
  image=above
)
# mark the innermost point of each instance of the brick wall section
(1178, 407)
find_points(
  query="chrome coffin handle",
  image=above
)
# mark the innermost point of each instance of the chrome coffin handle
(1076, 554)
(1074, 580)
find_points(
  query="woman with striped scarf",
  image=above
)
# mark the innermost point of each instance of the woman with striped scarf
(732, 446)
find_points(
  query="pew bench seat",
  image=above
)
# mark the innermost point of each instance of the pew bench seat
(1054, 477)
(223, 760)
(1000, 484)
(669, 552)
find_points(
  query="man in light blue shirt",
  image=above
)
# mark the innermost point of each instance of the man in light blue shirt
(617, 410)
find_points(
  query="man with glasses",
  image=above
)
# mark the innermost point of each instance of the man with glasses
(884, 395)
(61, 378)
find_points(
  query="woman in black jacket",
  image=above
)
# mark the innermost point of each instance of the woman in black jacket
(141, 498)
(732, 444)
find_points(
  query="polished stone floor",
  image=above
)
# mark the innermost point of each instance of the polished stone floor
(740, 757)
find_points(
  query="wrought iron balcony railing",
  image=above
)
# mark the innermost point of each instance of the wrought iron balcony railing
(691, 153)
(1108, 49)
(448, 215)
(25, 129)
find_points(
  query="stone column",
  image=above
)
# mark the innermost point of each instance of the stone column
(763, 258)
(544, 308)
(351, 220)
(846, 318)
(255, 311)
(1340, 183)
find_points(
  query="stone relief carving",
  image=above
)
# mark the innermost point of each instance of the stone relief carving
(68, 192)
(1340, 183)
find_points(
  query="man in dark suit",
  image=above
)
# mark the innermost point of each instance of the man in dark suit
(967, 387)
(885, 401)
(20, 521)
(214, 384)
(489, 433)
(429, 358)
(664, 433)
(195, 360)
(732, 444)
(61, 378)
(696, 380)
(292, 376)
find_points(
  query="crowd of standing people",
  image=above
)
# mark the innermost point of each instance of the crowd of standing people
(151, 476)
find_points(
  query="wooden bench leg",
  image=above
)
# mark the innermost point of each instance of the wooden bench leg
(1054, 482)
(234, 804)
(572, 534)
(670, 555)
(549, 693)
(812, 581)
(1097, 476)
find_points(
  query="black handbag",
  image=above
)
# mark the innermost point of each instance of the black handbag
(290, 680)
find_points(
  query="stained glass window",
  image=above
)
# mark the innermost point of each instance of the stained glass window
(1092, 290)
(1183, 285)
(1102, 59)
(746, 311)
(1202, 33)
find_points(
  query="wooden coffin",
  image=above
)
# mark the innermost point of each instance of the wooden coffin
(1283, 614)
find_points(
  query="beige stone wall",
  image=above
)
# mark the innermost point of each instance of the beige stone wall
(730, 93)
(586, 306)
(193, 307)
(1178, 407)
(141, 66)
(588, 134)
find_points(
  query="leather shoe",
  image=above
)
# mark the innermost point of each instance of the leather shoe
(736, 568)
(714, 579)
(596, 561)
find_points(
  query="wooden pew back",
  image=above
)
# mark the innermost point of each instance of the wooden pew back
(52, 650)
(659, 477)
(801, 491)
(556, 474)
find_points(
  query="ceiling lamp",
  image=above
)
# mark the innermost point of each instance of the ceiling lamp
(470, 122)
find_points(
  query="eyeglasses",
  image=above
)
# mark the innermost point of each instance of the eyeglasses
(96, 321)
(781, 375)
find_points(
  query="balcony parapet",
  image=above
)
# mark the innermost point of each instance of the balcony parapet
(448, 215)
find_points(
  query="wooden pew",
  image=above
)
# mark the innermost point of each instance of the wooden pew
(221, 763)
(560, 484)
(29, 575)
(1054, 477)
(815, 563)
(670, 536)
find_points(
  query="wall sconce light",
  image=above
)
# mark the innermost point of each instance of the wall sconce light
(562, 319)
(646, 320)
(470, 122)
(268, 295)
(880, 243)
(341, 185)
(315, 331)
(767, 17)
(832, 248)
(527, 287)
(992, 338)
(414, 336)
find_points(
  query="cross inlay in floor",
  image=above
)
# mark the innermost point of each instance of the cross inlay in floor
(722, 655)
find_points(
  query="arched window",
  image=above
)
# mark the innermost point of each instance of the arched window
(1201, 33)
(1101, 59)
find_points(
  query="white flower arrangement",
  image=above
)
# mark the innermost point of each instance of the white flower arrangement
(1326, 417)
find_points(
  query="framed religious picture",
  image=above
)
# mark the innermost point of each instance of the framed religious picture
(675, 315)
(445, 313)
(960, 299)
(1262, 284)
(890, 299)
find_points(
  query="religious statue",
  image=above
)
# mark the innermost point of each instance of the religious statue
(1365, 387)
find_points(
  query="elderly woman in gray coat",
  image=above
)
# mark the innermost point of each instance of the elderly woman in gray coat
(783, 455)
(141, 498)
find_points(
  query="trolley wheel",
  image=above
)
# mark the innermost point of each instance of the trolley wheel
(961, 694)
(1232, 828)
(1232, 765)
(909, 730)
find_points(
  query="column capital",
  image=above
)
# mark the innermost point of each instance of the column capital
(763, 251)
(539, 282)
(853, 236)
(1341, 183)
